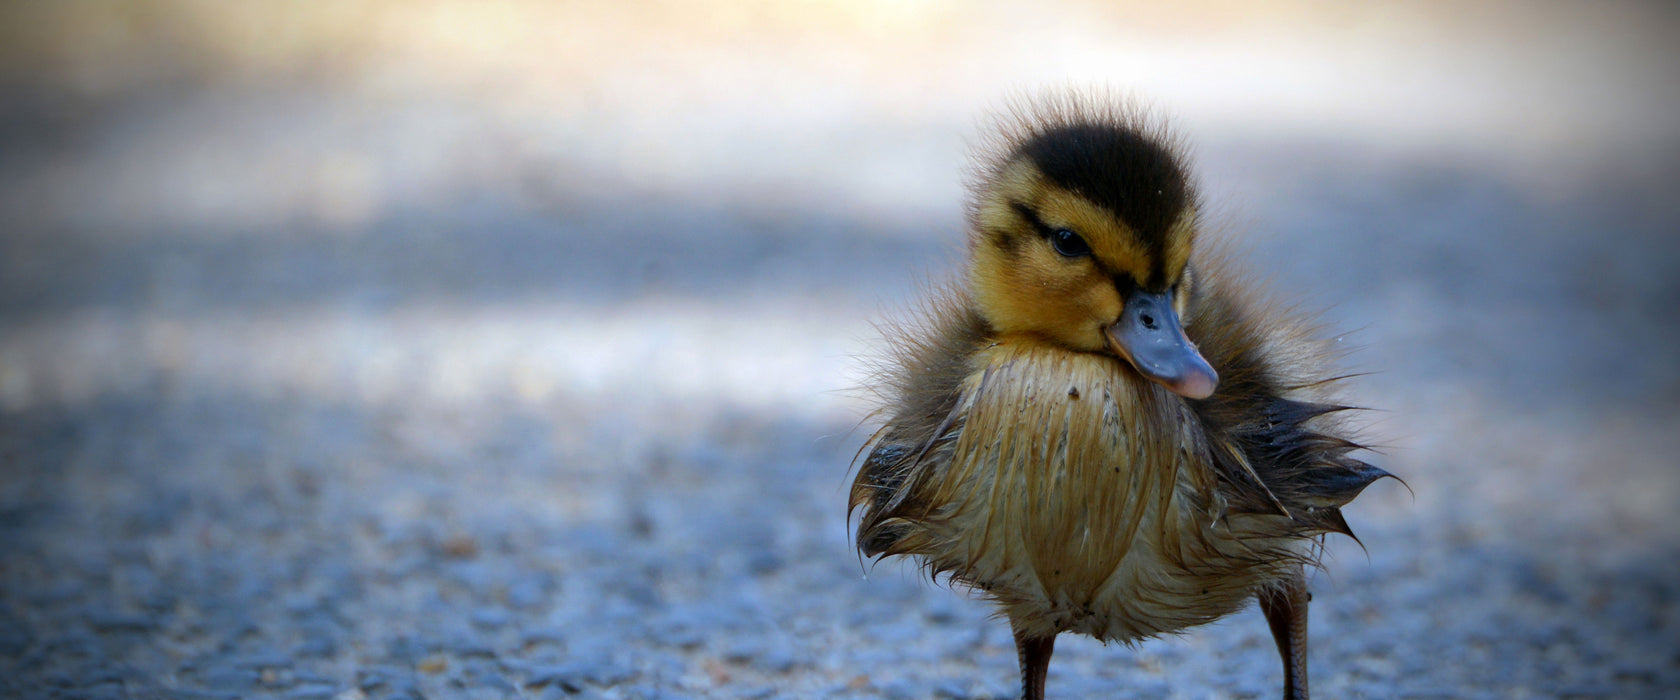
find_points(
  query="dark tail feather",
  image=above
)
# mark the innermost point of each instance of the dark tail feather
(1334, 488)
(1331, 520)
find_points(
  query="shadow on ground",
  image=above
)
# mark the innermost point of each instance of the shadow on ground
(536, 428)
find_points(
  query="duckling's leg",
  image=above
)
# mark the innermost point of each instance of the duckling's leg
(1035, 661)
(1285, 607)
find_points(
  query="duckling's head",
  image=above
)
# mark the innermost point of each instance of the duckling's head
(1082, 223)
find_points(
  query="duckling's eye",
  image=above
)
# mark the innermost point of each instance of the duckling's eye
(1069, 244)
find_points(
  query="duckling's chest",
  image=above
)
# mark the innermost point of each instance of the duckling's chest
(1078, 495)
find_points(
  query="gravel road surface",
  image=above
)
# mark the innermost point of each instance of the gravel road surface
(407, 386)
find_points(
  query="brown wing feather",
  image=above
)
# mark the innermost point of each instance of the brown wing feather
(1281, 444)
(921, 378)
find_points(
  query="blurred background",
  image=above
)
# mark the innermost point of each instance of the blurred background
(509, 348)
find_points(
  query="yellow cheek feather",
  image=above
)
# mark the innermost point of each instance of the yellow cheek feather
(1038, 292)
(1023, 285)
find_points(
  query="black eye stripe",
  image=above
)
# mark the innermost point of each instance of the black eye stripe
(1066, 242)
(1031, 216)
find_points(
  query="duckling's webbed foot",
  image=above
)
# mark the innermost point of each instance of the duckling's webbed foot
(1285, 607)
(1035, 662)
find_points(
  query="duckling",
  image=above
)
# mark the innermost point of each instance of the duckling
(1103, 428)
